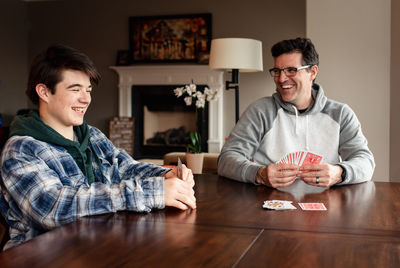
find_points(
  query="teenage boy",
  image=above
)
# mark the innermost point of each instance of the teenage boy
(55, 168)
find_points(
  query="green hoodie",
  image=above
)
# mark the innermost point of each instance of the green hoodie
(81, 150)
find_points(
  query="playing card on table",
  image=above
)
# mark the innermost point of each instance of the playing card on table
(278, 204)
(312, 206)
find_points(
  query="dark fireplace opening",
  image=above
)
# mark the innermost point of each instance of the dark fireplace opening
(163, 121)
(171, 136)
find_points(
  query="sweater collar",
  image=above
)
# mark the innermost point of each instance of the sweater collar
(316, 106)
(32, 125)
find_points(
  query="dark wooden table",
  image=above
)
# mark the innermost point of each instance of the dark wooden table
(361, 228)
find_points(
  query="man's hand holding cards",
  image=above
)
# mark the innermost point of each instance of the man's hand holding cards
(286, 170)
(311, 170)
(306, 163)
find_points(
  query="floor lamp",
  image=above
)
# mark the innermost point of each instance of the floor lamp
(238, 55)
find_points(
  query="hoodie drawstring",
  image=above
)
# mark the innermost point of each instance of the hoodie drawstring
(308, 149)
(295, 122)
(296, 127)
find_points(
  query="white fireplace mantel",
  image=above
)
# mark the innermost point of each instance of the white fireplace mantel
(175, 75)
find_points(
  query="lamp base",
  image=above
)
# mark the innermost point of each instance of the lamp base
(234, 84)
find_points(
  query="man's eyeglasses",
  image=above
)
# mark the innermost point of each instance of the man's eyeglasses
(289, 71)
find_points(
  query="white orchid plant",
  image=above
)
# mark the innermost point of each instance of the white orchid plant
(192, 95)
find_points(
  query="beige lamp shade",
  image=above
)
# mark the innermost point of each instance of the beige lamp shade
(243, 54)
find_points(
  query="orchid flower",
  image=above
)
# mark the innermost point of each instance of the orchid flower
(178, 91)
(191, 94)
(200, 103)
(188, 101)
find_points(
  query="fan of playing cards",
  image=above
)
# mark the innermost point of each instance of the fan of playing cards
(300, 158)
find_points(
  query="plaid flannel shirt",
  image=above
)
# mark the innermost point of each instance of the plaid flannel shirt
(42, 186)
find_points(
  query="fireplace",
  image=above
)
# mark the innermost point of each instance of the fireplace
(163, 122)
(167, 77)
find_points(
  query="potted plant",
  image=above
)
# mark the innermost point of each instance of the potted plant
(193, 96)
(195, 142)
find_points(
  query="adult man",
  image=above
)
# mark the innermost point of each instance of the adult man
(55, 168)
(298, 117)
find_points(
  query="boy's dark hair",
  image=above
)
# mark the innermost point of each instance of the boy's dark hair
(302, 45)
(46, 68)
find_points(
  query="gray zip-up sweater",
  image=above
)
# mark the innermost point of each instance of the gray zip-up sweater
(270, 128)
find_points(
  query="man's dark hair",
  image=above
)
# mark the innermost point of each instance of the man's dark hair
(47, 68)
(302, 45)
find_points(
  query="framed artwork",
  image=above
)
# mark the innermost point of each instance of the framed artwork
(123, 57)
(174, 38)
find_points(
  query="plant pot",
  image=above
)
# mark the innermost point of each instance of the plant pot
(195, 162)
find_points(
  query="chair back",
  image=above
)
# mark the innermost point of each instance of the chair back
(3, 136)
(4, 235)
(209, 162)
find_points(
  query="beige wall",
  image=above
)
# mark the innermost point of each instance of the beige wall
(353, 40)
(13, 57)
(356, 36)
(395, 93)
(100, 28)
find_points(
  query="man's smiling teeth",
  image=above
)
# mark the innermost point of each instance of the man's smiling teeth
(78, 109)
(287, 86)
